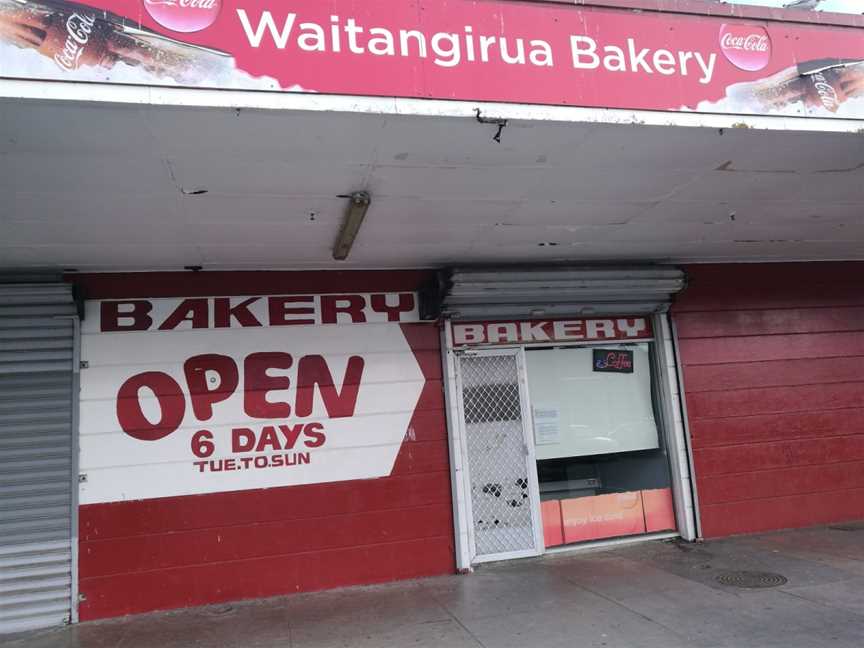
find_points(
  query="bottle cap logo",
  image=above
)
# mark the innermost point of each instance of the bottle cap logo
(747, 47)
(184, 15)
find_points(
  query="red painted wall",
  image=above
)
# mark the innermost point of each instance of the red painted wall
(175, 552)
(773, 361)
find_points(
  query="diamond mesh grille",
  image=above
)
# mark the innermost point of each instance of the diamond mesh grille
(496, 455)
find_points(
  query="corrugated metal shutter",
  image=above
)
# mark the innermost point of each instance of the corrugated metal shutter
(556, 291)
(37, 382)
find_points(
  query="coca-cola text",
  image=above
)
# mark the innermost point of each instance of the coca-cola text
(749, 43)
(747, 47)
(78, 30)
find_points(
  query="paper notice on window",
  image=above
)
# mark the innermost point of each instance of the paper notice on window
(547, 425)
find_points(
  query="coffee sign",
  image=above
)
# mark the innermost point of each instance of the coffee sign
(613, 361)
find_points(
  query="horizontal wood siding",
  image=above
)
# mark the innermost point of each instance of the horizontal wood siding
(163, 553)
(773, 362)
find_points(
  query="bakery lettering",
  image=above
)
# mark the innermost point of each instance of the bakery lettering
(78, 31)
(587, 54)
(238, 312)
(449, 49)
(538, 331)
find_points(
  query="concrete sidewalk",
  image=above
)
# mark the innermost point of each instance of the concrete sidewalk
(657, 594)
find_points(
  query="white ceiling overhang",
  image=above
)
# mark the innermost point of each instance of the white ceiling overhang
(115, 182)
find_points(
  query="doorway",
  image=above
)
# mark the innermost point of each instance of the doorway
(499, 468)
(566, 443)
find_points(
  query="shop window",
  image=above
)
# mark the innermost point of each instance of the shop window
(602, 464)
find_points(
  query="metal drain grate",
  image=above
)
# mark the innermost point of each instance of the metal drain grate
(751, 579)
(222, 610)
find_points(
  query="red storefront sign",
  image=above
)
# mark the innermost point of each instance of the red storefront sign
(505, 51)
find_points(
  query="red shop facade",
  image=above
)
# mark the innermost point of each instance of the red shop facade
(173, 399)
(328, 508)
(458, 294)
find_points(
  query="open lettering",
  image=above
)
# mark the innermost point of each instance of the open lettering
(268, 392)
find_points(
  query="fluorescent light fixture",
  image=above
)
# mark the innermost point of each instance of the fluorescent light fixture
(357, 208)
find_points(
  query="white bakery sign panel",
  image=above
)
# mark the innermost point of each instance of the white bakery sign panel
(201, 395)
(511, 332)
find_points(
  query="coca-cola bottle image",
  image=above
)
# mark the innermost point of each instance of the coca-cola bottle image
(76, 36)
(809, 87)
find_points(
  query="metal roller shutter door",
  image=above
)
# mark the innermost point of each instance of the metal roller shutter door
(37, 455)
(558, 291)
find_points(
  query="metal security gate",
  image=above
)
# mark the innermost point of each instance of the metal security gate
(522, 292)
(38, 383)
(503, 505)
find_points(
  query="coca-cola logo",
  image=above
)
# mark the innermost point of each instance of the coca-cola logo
(78, 31)
(827, 93)
(747, 47)
(184, 15)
